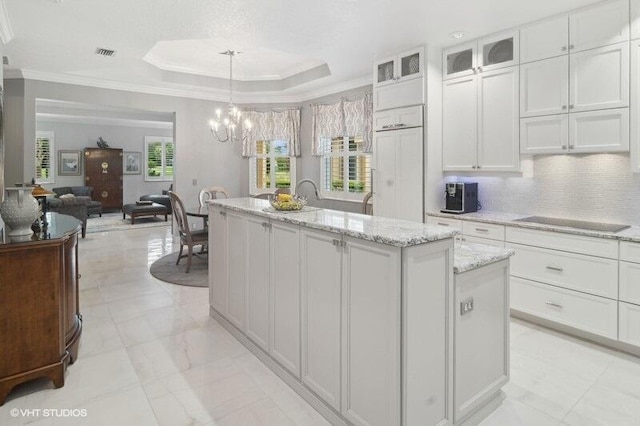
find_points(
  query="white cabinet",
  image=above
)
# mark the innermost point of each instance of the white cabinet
(460, 123)
(635, 104)
(284, 269)
(548, 134)
(491, 231)
(498, 124)
(599, 131)
(629, 323)
(599, 78)
(585, 132)
(218, 260)
(593, 314)
(481, 349)
(321, 260)
(495, 51)
(371, 333)
(237, 267)
(544, 87)
(488, 100)
(404, 66)
(257, 301)
(599, 25)
(544, 39)
(398, 165)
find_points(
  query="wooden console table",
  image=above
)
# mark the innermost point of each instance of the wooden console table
(40, 323)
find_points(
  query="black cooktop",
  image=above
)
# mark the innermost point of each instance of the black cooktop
(580, 224)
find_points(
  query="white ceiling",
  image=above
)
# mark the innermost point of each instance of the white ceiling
(281, 38)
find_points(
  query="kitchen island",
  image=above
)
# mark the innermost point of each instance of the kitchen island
(354, 312)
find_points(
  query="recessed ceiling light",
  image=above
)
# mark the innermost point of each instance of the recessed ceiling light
(457, 35)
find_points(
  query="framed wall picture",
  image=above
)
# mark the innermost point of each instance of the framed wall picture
(69, 163)
(132, 163)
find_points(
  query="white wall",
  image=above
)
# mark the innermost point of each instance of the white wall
(77, 136)
(198, 157)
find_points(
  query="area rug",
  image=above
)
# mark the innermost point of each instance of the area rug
(114, 222)
(165, 269)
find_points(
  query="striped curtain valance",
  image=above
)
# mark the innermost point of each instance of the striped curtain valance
(273, 125)
(344, 118)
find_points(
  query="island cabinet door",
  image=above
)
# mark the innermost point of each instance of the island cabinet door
(218, 254)
(284, 324)
(321, 261)
(371, 333)
(237, 246)
(257, 300)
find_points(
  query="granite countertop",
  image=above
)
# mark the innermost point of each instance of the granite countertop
(399, 233)
(629, 234)
(468, 256)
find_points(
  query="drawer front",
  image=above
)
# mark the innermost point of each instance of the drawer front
(630, 282)
(483, 230)
(630, 251)
(594, 275)
(445, 221)
(593, 314)
(486, 241)
(594, 246)
(629, 323)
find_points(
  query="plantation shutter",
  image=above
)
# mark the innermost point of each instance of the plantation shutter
(43, 172)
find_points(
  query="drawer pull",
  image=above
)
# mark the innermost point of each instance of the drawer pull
(443, 224)
(553, 268)
(482, 230)
(555, 305)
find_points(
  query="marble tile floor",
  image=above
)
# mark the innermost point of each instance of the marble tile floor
(151, 355)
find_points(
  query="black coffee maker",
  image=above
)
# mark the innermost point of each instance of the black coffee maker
(460, 197)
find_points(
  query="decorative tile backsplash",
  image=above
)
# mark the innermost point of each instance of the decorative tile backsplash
(594, 187)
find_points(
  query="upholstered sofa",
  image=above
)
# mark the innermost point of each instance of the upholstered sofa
(93, 207)
(72, 206)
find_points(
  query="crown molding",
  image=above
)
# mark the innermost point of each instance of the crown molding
(6, 32)
(102, 121)
(200, 93)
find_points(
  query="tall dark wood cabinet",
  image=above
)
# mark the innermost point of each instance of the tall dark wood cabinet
(103, 172)
(40, 322)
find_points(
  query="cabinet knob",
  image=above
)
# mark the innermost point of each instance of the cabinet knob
(223, 213)
(479, 69)
(563, 48)
(564, 107)
(473, 167)
(571, 146)
(571, 46)
(570, 106)
(477, 167)
(564, 147)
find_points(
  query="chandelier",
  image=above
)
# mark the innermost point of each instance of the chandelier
(230, 127)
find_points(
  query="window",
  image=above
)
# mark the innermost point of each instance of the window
(44, 165)
(343, 160)
(272, 167)
(158, 159)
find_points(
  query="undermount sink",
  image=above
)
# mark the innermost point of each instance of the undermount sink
(580, 224)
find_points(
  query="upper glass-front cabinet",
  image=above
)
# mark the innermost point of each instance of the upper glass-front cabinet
(488, 53)
(405, 66)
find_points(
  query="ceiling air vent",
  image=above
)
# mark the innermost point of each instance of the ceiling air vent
(5, 60)
(105, 52)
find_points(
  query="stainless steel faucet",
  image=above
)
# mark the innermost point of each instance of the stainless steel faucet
(315, 187)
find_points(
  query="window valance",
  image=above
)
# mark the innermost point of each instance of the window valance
(273, 125)
(343, 118)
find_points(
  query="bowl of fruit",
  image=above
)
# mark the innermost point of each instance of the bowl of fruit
(287, 202)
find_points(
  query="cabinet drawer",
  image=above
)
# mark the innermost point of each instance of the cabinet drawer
(594, 275)
(568, 242)
(483, 230)
(630, 252)
(630, 282)
(629, 323)
(486, 241)
(593, 314)
(445, 221)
